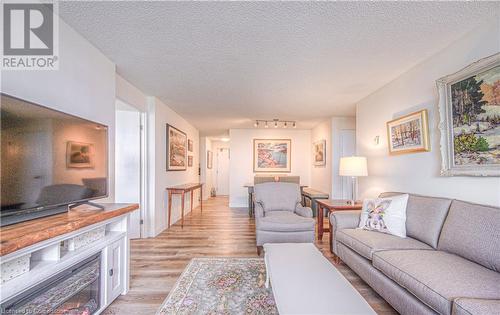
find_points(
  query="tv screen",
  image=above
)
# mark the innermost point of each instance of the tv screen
(49, 160)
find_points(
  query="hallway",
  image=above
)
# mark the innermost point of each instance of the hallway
(157, 263)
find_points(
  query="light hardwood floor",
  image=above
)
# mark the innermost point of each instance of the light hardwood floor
(157, 263)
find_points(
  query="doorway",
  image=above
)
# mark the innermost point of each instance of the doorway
(129, 163)
(222, 172)
(347, 148)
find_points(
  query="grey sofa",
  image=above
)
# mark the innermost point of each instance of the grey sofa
(449, 263)
(279, 216)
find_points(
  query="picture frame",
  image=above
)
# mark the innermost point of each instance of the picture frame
(469, 119)
(190, 161)
(272, 155)
(190, 145)
(409, 133)
(319, 153)
(79, 155)
(176, 149)
(209, 159)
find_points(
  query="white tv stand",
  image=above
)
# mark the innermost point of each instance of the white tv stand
(53, 244)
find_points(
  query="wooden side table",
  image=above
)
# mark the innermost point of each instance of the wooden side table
(182, 190)
(332, 205)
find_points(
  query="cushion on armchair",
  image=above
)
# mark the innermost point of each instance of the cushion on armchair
(285, 221)
(277, 196)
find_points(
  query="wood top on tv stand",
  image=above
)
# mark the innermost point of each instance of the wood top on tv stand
(20, 235)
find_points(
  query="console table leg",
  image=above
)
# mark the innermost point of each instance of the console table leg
(191, 205)
(320, 222)
(169, 206)
(182, 210)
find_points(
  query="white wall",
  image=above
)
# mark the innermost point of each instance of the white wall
(159, 114)
(321, 176)
(130, 95)
(412, 91)
(83, 86)
(241, 163)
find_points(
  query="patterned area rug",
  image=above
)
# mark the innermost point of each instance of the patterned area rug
(221, 286)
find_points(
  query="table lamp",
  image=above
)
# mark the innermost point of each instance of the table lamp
(353, 166)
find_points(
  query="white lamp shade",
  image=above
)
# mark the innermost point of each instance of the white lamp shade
(353, 166)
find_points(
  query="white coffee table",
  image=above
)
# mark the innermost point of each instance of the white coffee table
(305, 282)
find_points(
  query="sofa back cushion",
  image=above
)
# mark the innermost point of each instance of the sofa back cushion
(424, 217)
(473, 232)
(277, 196)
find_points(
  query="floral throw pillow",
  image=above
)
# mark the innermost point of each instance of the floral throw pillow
(386, 215)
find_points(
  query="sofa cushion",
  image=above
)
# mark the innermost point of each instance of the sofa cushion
(366, 243)
(437, 277)
(465, 306)
(424, 217)
(277, 196)
(284, 221)
(473, 232)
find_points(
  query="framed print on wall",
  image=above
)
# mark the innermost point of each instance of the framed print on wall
(190, 161)
(409, 134)
(190, 145)
(319, 150)
(469, 109)
(210, 157)
(272, 155)
(176, 149)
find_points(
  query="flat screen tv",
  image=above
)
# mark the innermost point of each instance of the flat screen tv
(49, 160)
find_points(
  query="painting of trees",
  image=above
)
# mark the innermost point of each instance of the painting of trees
(467, 101)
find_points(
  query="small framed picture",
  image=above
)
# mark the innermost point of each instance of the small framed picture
(319, 150)
(209, 159)
(190, 145)
(190, 161)
(409, 133)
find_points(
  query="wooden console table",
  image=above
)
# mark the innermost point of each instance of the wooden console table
(332, 205)
(182, 190)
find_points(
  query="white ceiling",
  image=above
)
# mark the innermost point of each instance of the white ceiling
(223, 64)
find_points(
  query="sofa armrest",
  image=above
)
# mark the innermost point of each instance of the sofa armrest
(305, 212)
(343, 220)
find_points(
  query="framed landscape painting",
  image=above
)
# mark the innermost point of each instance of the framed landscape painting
(176, 149)
(272, 155)
(319, 152)
(409, 133)
(469, 107)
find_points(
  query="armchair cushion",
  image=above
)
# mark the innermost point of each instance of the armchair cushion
(277, 196)
(305, 212)
(284, 221)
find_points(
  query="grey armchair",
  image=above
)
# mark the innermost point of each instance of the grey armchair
(279, 216)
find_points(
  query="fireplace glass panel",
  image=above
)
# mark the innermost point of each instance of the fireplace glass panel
(73, 291)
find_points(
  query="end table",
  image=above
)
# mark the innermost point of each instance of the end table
(333, 205)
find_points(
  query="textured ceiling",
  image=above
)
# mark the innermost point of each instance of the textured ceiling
(223, 64)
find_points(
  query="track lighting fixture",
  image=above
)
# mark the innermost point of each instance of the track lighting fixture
(277, 123)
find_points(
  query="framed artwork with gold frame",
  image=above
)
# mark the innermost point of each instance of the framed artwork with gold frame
(272, 155)
(409, 134)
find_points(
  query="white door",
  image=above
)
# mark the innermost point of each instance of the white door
(222, 172)
(347, 148)
(128, 163)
